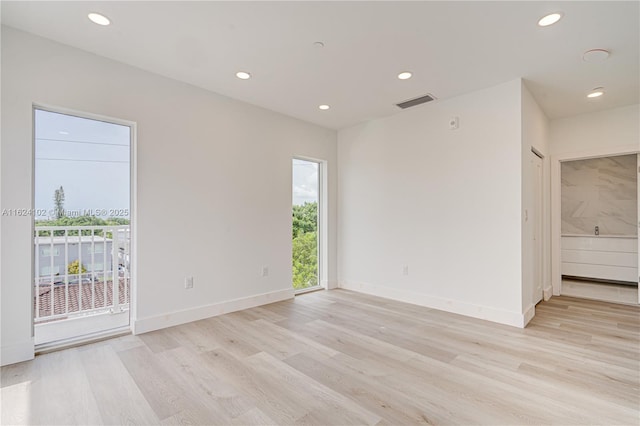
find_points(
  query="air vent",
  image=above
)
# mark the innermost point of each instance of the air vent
(417, 101)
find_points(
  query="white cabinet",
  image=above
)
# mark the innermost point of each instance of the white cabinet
(600, 257)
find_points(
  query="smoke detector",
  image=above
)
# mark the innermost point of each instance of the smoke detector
(595, 55)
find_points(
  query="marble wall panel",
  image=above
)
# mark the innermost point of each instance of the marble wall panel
(600, 192)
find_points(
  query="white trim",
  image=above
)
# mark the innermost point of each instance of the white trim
(330, 285)
(171, 319)
(529, 314)
(538, 204)
(82, 340)
(78, 327)
(323, 217)
(82, 114)
(537, 152)
(556, 201)
(547, 293)
(515, 319)
(133, 227)
(309, 290)
(19, 352)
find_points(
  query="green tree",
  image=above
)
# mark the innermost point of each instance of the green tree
(305, 245)
(305, 218)
(75, 268)
(116, 221)
(85, 220)
(305, 260)
(58, 202)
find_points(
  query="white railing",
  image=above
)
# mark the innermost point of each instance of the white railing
(80, 270)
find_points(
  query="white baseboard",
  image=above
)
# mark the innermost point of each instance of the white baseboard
(529, 314)
(158, 322)
(11, 354)
(547, 293)
(514, 319)
(329, 285)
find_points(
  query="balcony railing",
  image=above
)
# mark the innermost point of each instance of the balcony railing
(80, 270)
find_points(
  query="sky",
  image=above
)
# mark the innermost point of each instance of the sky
(305, 182)
(88, 158)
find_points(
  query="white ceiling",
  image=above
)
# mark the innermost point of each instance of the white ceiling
(451, 47)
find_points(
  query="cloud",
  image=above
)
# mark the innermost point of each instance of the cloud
(305, 182)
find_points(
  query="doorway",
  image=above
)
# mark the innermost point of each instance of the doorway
(537, 213)
(82, 226)
(599, 228)
(306, 232)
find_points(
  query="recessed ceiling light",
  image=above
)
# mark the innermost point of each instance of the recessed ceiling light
(324, 107)
(596, 93)
(242, 75)
(318, 44)
(550, 19)
(595, 55)
(96, 18)
(405, 75)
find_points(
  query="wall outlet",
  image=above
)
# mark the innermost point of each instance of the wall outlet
(188, 282)
(265, 271)
(405, 270)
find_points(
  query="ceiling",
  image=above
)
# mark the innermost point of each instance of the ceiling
(452, 48)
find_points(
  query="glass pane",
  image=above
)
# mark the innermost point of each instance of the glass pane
(82, 196)
(306, 187)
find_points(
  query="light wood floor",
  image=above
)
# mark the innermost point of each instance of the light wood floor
(345, 358)
(616, 293)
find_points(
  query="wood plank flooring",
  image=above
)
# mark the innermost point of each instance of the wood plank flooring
(339, 358)
(616, 293)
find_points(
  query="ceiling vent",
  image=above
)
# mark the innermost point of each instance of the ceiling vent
(417, 101)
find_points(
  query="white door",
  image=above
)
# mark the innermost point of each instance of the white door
(536, 223)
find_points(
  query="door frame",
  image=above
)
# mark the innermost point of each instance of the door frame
(133, 209)
(538, 205)
(556, 202)
(323, 214)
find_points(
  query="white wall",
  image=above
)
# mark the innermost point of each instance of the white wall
(534, 135)
(214, 185)
(447, 203)
(614, 129)
(610, 132)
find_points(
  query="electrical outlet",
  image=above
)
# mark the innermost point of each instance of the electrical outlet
(265, 271)
(188, 283)
(405, 270)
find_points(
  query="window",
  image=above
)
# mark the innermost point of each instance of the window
(95, 267)
(48, 251)
(306, 232)
(48, 271)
